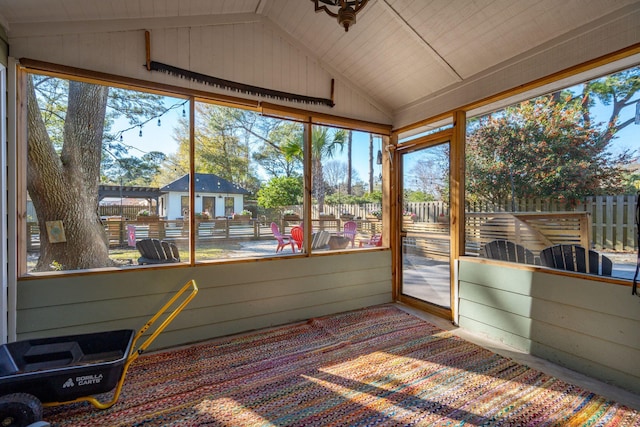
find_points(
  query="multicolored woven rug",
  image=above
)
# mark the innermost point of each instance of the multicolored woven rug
(377, 366)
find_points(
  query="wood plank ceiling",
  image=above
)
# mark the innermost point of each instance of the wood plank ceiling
(399, 52)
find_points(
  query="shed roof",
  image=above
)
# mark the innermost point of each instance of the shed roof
(205, 183)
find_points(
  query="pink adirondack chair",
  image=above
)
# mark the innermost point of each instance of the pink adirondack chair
(297, 234)
(350, 230)
(281, 238)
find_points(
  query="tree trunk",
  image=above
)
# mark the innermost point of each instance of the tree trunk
(318, 182)
(370, 163)
(64, 186)
(349, 161)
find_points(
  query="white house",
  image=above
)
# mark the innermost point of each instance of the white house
(214, 195)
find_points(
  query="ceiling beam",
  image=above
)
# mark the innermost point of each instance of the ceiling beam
(421, 41)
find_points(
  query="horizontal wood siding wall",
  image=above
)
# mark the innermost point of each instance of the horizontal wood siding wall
(250, 52)
(588, 326)
(233, 298)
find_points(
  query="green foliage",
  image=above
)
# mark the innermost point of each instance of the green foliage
(271, 155)
(348, 199)
(280, 191)
(222, 146)
(540, 148)
(417, 196)
(133, 170)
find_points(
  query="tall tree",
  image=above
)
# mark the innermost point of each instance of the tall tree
(270, 153)
(349, 161)
(66, 123)
(370, 163)
(540, 148)
(221, 146)
(325, 142)
(279, 192)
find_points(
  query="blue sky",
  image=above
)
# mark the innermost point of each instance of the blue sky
(160, 138)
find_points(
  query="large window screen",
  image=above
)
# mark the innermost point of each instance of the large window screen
(96, 160)
(109, 171)
(552, 181)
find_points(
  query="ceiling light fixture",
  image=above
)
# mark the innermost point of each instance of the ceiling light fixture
(346, 12)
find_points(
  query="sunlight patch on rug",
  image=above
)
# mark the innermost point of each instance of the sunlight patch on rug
(377, 366)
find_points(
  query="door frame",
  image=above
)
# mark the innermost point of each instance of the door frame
(455, 136)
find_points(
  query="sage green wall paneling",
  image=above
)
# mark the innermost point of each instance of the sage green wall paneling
(494, 276)
(517, 303)
(595, 370)
(501, 319)
(604, 326)
(291, 315)
(588, 294)
(232, 298)
(586, 325)
(607, 353)
(513, 340)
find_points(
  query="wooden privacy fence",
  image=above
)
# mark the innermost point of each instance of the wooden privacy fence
(612, 220)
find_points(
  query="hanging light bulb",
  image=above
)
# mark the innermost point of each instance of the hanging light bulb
(140, 133)
(379, 159)
(159, 122)
(121, 138)
(184, 113)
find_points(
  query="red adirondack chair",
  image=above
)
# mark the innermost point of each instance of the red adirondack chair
(297, 234)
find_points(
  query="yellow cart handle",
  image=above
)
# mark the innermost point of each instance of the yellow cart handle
(135, 352)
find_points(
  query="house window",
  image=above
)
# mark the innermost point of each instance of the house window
(248, 179)
(184, 206)
(229, 206)
(209, 206)
(558, 169)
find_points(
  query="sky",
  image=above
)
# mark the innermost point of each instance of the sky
(160, 138)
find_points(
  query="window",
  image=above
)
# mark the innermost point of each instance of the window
(559, 169)
(95, 175)
(346, 183)
(94, 192)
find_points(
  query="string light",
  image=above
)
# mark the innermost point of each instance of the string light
(158, 117)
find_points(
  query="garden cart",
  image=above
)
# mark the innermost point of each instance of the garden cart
(67, 369)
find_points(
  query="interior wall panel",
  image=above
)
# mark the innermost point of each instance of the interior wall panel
(587, 325)
(254, 53)
(233, 297)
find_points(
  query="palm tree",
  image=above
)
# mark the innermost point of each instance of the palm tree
(324, 143)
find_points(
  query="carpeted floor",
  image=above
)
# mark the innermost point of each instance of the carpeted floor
(378, 366)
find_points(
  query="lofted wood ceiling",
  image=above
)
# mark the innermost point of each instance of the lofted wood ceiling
(399, 52)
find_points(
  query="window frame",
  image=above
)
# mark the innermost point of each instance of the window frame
(28, 66)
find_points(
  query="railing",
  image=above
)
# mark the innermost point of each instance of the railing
(533, 230)
(121, 233)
